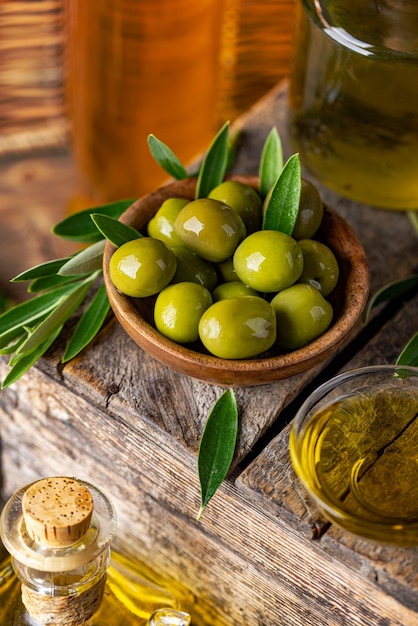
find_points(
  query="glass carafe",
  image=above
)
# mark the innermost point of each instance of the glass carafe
(354, 98)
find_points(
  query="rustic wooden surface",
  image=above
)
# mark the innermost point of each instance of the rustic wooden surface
(120, 419)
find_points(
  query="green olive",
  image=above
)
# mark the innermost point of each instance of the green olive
(238, 328)
(243, 199)
(302, 315)
(268, 261)
(178, 309)
(192, 268)
(210, 228)
(227, 271)
(310, 213)
(142, 267)
(232, 290)
(161, 226)
(320, 267)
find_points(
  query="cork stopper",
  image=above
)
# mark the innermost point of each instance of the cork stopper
(57, 511)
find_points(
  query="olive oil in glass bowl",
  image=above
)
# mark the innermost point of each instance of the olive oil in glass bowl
(354, 446)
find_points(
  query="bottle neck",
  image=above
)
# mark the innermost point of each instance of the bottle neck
(68, 598)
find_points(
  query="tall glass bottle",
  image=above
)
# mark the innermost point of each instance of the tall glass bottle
(354, 98)
(61, 572)
(135, 68)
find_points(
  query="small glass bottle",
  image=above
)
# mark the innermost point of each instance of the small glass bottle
(61, 572)
(354, 98)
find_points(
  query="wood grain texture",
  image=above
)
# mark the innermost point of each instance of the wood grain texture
(120, 419)
(241, 564)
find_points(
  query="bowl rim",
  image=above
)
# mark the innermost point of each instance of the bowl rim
(210, 368)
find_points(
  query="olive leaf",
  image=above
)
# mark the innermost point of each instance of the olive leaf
(166, 158)
(217, 446)
(283, 204)
(88, 260)
(116, 232)
(213, 167)
(409, 354)
(29, 312)
(391, 291)
(64, 309)
(79, 226)
(47, 283)
(12, 347)
(21, 365)
(89, 324)
(49, 268)
(271, 162)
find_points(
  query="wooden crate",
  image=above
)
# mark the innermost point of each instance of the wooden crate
(261, 554)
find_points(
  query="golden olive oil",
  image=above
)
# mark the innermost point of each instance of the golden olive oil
(135, 68)
(359, 457)
(354, 98)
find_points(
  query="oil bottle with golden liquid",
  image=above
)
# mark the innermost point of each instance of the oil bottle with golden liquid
(62, 573)
(135, 68)
(354, 98)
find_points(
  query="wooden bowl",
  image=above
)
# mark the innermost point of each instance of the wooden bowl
(348, 299)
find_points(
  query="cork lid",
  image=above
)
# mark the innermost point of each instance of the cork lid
(57, 511)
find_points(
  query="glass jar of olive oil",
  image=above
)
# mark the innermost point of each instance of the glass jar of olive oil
(354, 98)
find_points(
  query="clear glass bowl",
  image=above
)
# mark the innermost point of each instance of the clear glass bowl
(354, 446)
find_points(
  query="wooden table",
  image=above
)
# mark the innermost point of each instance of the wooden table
(260, 555)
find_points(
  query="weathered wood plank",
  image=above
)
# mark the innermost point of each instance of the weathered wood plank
(243, 565)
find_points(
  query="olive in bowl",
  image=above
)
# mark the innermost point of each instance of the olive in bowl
(348, 300)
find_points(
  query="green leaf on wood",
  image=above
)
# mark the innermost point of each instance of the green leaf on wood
(166, 158)
(28, 312)
(409, 355)
(391, 291)
(63, 310)
(283, 204)
(25, 362)
(89, 324)
(271, 162)
(79, 226)
(86, 261)
(214, 164)
(116, 232)
(217, 446)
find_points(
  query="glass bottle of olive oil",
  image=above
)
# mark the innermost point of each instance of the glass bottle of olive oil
(354, 98)
(61, 571)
